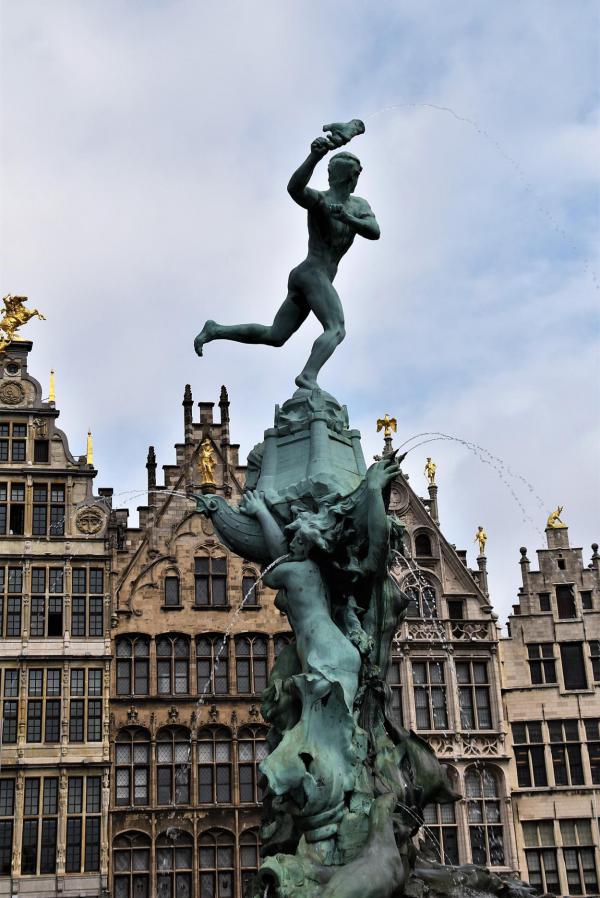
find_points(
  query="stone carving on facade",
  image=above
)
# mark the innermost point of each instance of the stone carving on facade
(470, 630)
(173, 714)
(40, 425)
(12, 393)
(476, 745)
(90, 520)
(254, 713)
(213, 714)
(132, 715)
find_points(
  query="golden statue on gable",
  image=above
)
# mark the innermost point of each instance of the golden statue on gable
(15, 315)
(207, 462)
(388, 425)
(554, 521)
(430, 469)
(481, 538)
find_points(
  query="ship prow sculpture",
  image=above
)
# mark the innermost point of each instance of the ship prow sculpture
(345, 787)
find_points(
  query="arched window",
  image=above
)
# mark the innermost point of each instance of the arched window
(132, 763)
(172, 665)
(173, 766)
(131, 865)
(280, 642)
(441, 829)
(485, 823)
(423, 544)
(212, 654)
(250, 591)
(210, 574)
(174, 864)
(214, 766)
(422, 601)
(252, 749)
(251, 663)
(248, 860)
(172, 592)
(133, 665)
(217, 863)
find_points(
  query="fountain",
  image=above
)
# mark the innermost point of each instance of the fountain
(345, 787)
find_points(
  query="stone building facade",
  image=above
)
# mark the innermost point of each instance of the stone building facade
(551, 685)
(54, 651)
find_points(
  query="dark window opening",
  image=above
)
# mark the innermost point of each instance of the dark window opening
(544, 598)
(172, 591)
(41, 451)
(456, 609)
(586, 600)
(565, 601)
(574, 674)
(561, 564)
(422, 544)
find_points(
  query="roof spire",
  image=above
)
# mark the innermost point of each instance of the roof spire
(52, 388)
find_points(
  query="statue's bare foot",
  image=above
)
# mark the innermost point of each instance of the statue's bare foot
(205, 336)
(309, 383)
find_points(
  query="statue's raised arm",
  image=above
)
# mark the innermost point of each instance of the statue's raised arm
(335, 217)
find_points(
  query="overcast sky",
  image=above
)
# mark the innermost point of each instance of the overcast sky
(146, 148)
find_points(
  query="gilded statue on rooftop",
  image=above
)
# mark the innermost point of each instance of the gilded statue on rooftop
(207, 462)
(554, 521)
(14, 316)
(388, 425)
(430, 469)
(481, 538)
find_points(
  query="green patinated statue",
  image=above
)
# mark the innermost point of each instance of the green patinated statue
(335, 216)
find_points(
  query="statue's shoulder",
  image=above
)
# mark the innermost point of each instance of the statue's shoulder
(361, 203)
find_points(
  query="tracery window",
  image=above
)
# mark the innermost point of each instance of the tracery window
(210, 575)
(212, 664)
(251, 664)
(174, 865)
(280, 641)
(249, 860)
(214, 765)
(172, 665)
(422, 601)
(131, 865)
(252, 749)
(133, 665)
(217, 847)
(484, 816)
(132, 767)
(173, 766)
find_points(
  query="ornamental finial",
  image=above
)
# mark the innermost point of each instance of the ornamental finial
(52, 387)
(89, 449)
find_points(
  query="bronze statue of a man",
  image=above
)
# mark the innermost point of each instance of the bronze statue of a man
(335, 216)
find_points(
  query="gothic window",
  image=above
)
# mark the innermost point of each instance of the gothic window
(252, 749)
(214, 766)
(11, 590)
(85, 706)
(249, 589)
(172, 665)
(10, 705)
(578, 854)
(131, 865)
(84, 804)
(47, 587)
(394, 680)
(474, 695)
(172, 599)
(251, 664)
(133, 665)
(595, 659)
(430, 695)
(174, 865)
(565, 601)
(217, 850)
(43, 705)
(87, 613)
(212, 665)
(542, 666)
(530, 754)
(48, 509)
(441, 832)
(423, 544)
(40, 825)
(485, 824)
(210, 581)
(573, 665)
(566, 752)
(592, 732)
(422, 601)
(280, 642)
(132, 768)
(540, 853)
(173, 766)
(249, 860)
(7, 810)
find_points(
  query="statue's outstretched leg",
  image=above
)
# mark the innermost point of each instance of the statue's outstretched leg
(288, 319)
(325, 303)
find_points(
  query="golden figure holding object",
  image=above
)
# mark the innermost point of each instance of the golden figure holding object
(15, 315)
(481, 538)
(207, 462)
(430, 469)
(388, 425)
(554, 521)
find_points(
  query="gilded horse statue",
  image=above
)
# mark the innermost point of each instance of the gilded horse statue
(15, 315)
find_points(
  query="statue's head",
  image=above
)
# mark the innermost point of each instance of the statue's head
(344, 168)
(310, 530)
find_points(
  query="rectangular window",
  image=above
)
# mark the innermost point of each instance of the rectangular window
(43, 705)
(40, 825)
(540, 851)
(592, 733)
(565, 602)
(544, 600)
(7, 810)
(542, 666)
(586, 599)
(210, 581)
(529, 754)
(46, 604)
(441, 832)
(172, 591)
(11, 587)
(394, 680)
(578, 854)
(456, 609)
(573, 665)
(566, 752)
(430, 695)
(10, 707)
(85, 711)
(87, 604)
(474, 695)
(41, 451)
(595, 659)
